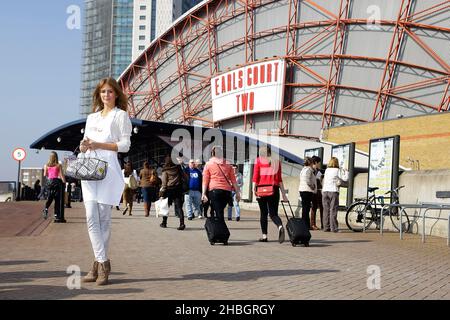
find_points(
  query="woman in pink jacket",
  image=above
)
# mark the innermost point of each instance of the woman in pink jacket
(218, 182)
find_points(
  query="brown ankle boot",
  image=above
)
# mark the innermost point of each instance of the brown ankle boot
(146, 209)
(108, 266)
(103, 273)
(92, 274)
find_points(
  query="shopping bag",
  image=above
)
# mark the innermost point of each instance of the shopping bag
(162, 207)
(132, 183)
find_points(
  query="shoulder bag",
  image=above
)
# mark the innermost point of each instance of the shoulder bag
(265, 190)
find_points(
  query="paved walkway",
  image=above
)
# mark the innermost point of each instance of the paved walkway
(149, 262)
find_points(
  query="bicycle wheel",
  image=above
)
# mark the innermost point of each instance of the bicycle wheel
(394, 215)
(355, 216)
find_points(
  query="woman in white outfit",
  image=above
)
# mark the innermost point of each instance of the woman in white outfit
(330, 194)
(107, 132)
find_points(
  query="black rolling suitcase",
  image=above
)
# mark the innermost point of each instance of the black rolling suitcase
(297, 229)
(217, 230)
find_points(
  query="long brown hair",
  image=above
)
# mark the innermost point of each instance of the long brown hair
(127, 169)
(121, 98)
(53, 160)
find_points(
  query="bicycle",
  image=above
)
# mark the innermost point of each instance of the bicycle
(364, 211)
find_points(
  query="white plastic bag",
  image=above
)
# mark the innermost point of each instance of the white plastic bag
(162, 207)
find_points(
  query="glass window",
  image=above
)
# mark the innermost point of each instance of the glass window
(141, 37)
(143, 7)
(141, 17)
(141, 27)
(141, 47)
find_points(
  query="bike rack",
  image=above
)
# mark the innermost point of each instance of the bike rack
(423, 205)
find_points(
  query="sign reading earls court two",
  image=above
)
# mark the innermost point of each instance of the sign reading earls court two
(251, 89)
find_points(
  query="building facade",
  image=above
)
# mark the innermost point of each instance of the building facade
(346, 62)
(116, 32)
(28, 176)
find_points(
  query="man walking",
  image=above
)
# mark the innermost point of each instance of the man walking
(193, 198)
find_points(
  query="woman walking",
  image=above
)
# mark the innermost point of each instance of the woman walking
(330, 194)
(55, 181)
(107, 132)
(172, 188)
(218, 182)
(150, 183)
(307, 188)
(267, 172)
(128, 193)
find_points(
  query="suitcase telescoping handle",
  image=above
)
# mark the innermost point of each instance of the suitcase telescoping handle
(284, 208)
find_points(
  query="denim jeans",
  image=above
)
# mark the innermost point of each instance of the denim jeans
(235, 205)
(193, 200)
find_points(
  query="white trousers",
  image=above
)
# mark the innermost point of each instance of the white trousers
(98, 217)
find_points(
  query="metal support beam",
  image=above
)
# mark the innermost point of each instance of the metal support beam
(335, 63)
(389, 70)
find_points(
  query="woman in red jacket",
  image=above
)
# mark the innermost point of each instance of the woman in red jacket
(267, 172)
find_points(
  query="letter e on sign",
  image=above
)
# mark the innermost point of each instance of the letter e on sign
(19, 154)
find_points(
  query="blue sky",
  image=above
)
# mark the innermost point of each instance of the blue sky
(40, 65)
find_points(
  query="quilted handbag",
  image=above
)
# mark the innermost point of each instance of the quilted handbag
(86, 167)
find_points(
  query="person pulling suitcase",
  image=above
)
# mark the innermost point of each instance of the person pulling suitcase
(218, 181)
(297, 228)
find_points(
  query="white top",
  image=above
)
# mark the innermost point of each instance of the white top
(308, 181)
(114, 128)
(120, 128)
(331, 178)
(127, 179)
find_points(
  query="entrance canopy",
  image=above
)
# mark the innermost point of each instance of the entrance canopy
(68, 136)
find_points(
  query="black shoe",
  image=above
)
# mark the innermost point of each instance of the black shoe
(263, 240)
(125, 211)
(182, 227)
(190, 218)
(117, 207)
(281, 234)
(163, 225)
(238, 218)
(229, 219)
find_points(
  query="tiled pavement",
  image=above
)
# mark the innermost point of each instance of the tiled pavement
(149, 262)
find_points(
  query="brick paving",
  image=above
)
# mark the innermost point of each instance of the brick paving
(149, 262)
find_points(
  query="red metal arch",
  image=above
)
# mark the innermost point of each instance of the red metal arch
(184, 41)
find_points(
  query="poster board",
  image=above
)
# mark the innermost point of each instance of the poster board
(384, 164)
(318, 152)
(345, 153)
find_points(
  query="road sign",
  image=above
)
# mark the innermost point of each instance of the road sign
(19, 154)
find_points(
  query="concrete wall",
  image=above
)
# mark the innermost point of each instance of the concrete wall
(420, 186)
